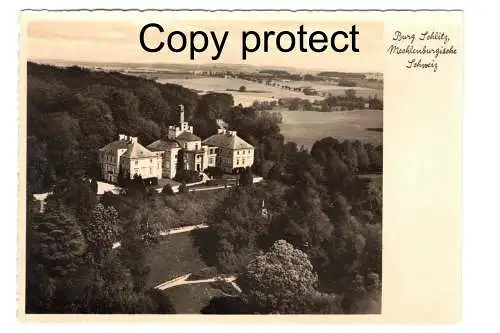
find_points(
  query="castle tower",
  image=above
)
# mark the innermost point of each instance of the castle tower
(181, 108)
(175, 130)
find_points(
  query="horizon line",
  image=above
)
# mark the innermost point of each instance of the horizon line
(203, 64)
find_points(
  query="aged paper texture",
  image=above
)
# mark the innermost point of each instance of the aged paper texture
(177, 165)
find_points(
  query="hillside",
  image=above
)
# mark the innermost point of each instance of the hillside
(71, 112)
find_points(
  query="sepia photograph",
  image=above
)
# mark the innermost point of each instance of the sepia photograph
(168, 182)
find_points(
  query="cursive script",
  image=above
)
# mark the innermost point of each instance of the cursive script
(424, 49)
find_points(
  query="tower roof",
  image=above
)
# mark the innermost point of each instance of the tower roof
(163, 145)
(187, 136)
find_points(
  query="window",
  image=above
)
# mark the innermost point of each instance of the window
(150, 171)
(238, 152)
(151, 160)
(136, 162)
(136, 171)
(238, 161)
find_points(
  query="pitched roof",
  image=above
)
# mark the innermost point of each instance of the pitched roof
(115, 145)
(163, 145)
(227, 140)
(136, 150)
(187, 136)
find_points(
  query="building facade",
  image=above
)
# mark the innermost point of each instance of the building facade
(128, 157)
(160, 159)
(233, 153)
(169, 151)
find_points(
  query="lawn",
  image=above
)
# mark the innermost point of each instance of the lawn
(174, 256)
(192, 298)
(306, 127)
(177, 255)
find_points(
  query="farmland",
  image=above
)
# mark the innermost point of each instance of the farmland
(261, 92)
(306, 127)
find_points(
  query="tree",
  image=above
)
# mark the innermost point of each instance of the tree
(94, 186)
(276, 280)
(246, 177)
(363, 158)
(136, 186)
(102, 230)
(242, 89)
(350, 94)
(183, 188)
(363, 295)
(167, 190)
(57, 240)
(122, 178)
(180, 162)
(274, 173)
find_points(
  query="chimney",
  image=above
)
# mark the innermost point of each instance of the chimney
(232, 133)
(181, 107)
(122, 137)
(133, 139)
(221, 131)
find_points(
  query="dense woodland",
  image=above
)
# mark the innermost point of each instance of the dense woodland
(320, 208)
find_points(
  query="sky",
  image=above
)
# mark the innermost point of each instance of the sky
(82, 40)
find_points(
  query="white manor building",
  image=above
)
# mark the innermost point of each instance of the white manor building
(224, 150)
(131, 158)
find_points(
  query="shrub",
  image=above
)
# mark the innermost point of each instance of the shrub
(188, 176)
(246, 177)
(215, 182)
(183, 188)
(214, 172)
(167, 190)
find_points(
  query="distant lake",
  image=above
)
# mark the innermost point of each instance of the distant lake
(307, 127)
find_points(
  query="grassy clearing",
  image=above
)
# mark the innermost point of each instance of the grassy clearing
(174, 256)
(306, 127)
(192, 298)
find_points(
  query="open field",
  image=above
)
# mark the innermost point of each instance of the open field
(259, 91)
(177, 255)
(215, 84)
(173, 256)
(306, 127)
(335, 90)
(192, 298)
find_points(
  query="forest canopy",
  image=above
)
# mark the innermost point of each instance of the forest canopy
(320, 206)
(72, 112)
